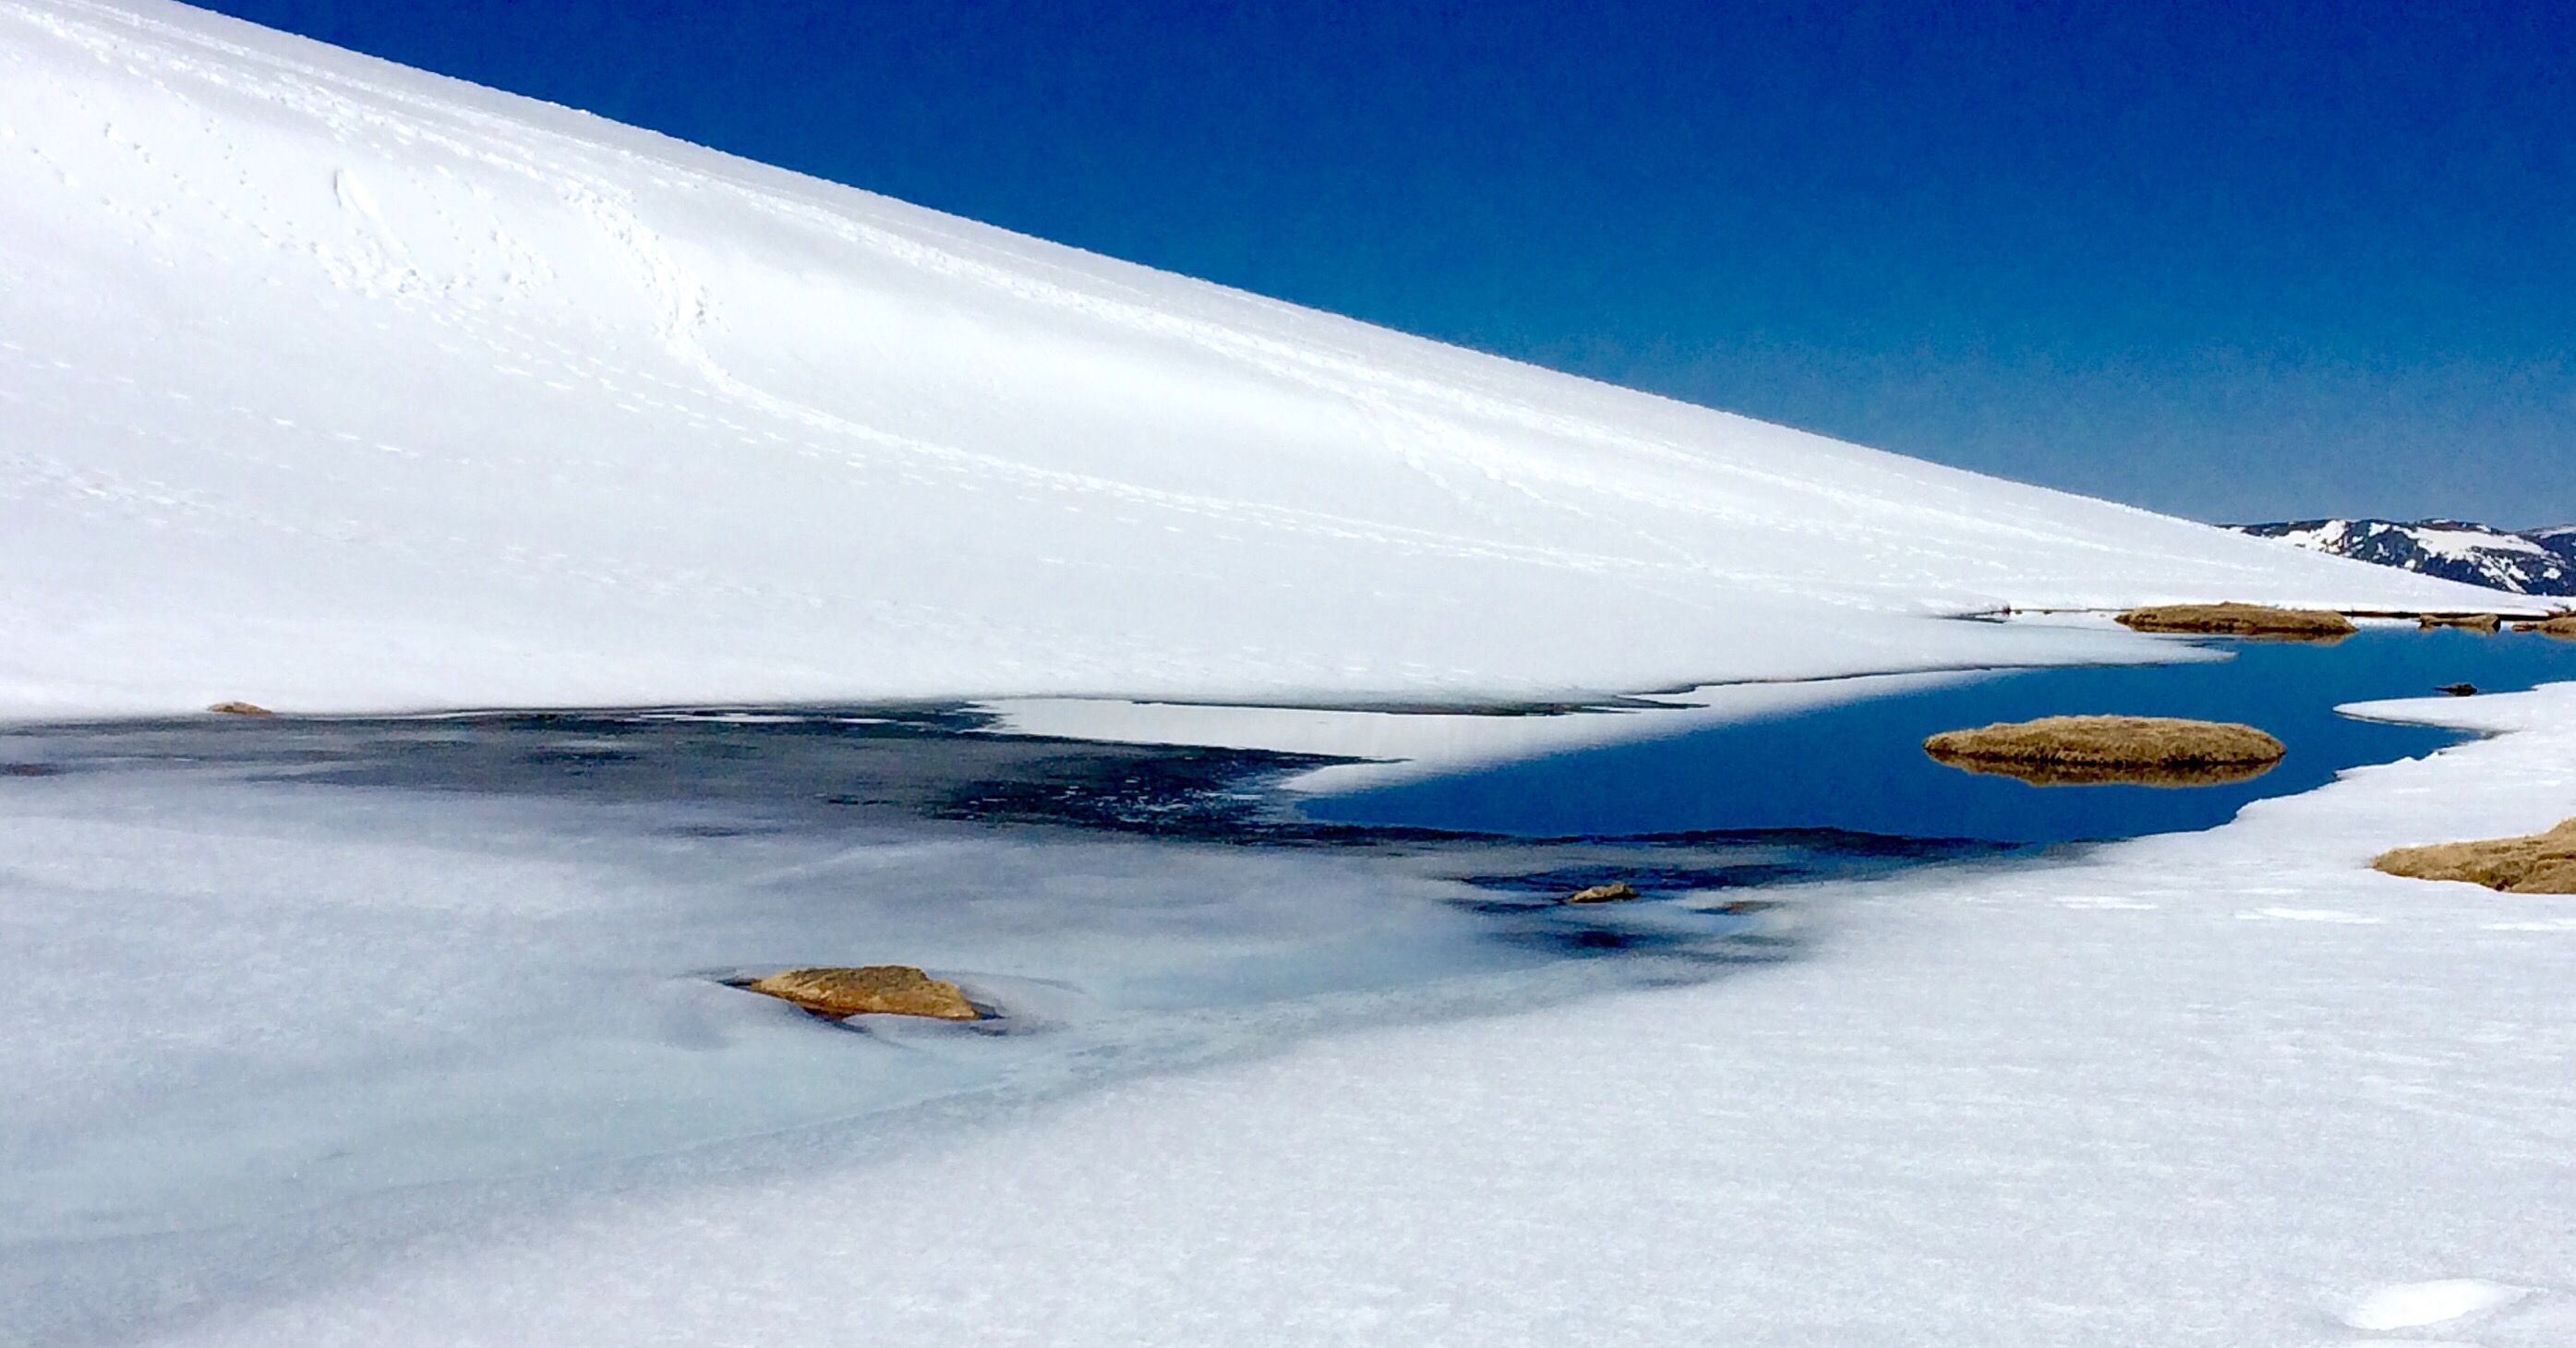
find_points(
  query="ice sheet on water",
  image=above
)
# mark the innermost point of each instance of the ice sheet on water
(1995, 1109)
(272, 974)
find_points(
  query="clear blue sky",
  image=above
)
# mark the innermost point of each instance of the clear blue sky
(2235, 261)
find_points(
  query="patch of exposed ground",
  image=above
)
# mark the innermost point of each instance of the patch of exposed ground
(2536, 863)
(2242, 620)
(878, 989)
(2562, 626)
(2096, 750)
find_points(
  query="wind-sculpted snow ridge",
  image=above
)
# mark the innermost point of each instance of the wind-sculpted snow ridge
(331, 384)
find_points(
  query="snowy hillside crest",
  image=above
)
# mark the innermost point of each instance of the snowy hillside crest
(334, 385)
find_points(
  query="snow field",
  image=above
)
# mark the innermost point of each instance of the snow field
(330, 385)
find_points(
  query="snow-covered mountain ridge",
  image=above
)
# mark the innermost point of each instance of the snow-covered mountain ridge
(332, 384)
(2532, 561)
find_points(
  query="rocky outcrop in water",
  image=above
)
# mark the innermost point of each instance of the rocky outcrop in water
(871, 990)
(2102, 750)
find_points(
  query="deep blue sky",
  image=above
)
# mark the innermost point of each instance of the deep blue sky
(2235, 261)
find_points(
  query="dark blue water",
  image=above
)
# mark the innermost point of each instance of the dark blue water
(1861, 767)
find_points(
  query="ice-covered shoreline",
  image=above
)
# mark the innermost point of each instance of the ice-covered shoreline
(2215, 1088)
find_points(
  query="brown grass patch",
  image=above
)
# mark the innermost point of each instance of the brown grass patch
(2100, 750)
(2561, 626)
(2537, 863)
(876, 989)
(2475, 622)
(2240, 620)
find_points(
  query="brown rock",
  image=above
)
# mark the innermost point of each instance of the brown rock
(241, 709)
(2240, 620)
(2537, 863)
(876, 989)
(1612, 892)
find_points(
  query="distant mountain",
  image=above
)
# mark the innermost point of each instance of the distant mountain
(2532, 561)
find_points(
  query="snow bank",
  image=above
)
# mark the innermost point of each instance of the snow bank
(328, 384)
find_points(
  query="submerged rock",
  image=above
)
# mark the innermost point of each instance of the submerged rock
(2100, 750)
(240, 709)
(876, 989)
(1613, 892)
(2537, 863)
(2475, 622)
(2241, 620)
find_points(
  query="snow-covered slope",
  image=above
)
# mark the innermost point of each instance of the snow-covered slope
(327, 384)
(2536, 561)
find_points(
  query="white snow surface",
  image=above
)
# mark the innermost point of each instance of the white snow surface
(2218, 1089)
(1400, 745)
(2461, 543)
(2416, 1305)
(332, 385)
(2475, 544)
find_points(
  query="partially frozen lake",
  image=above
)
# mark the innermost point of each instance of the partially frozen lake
(1858, 765)
(325, 982)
